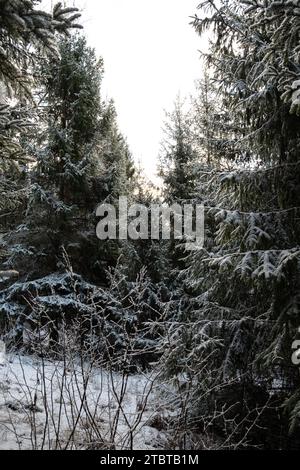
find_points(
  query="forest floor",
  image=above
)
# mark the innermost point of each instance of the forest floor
(48, 405)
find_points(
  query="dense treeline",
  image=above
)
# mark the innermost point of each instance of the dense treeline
(219, 322)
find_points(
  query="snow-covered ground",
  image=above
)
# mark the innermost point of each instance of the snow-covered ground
(47, 404)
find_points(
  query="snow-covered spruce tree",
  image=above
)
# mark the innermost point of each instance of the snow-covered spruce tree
(73, 174)
(177, 169)
(82, 160)
(177, 155)
(118, 179)
(146, 253)
(13, 162)
(257, 66)
(116, 156)
(25, 34)
(60, 150)
(212, 129)
(22, 26)
(236, 341)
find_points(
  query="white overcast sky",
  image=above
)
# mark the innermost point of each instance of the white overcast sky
(150, 54)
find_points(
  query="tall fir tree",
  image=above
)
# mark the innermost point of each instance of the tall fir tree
(26, 34)
(239, 334)
(177, 156)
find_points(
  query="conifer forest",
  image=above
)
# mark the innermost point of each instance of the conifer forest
(138, 342)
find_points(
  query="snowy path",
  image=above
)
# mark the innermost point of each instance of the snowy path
(48, 405)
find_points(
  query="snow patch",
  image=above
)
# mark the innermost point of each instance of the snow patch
(31, 392)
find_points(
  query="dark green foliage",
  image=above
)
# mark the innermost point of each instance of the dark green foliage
(26, 34)
(178, 156)
(82, 160)
(245, 314)
(221, 321)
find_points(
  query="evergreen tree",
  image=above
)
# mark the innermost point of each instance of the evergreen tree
(26, 34)
(238, 336)
(212, 128)
(178, 156)
(82, 160)
(116, 156)
(22, 26)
